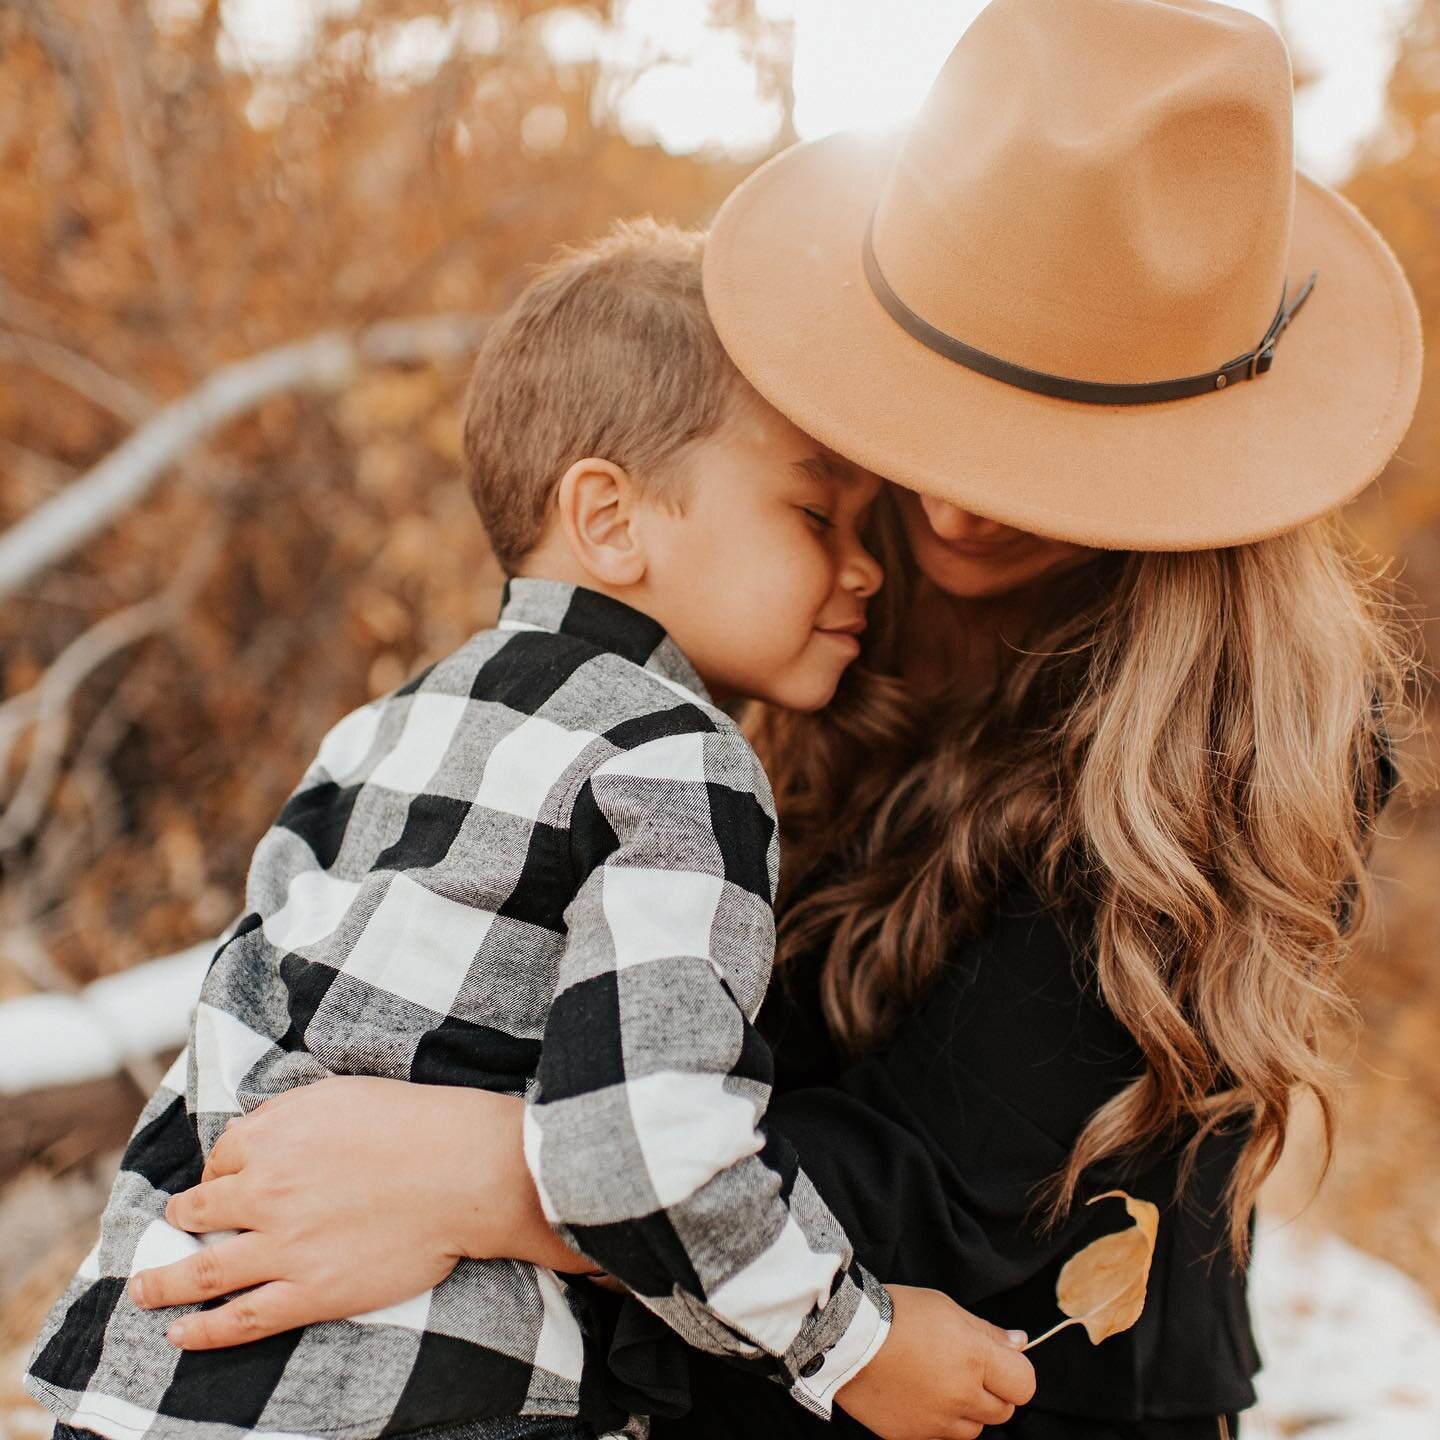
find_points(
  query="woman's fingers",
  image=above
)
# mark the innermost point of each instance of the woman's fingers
(227, 1155)
(256, 1315)
(211, 1205)
(218, 1269)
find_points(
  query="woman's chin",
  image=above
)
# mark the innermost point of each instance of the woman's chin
(972, 577)
(976, 576)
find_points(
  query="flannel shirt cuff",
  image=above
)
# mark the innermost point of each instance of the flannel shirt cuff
(840, 1360)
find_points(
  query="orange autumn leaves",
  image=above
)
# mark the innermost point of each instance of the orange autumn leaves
(1102, 1286)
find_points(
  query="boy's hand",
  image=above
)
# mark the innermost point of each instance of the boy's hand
(942, 1373)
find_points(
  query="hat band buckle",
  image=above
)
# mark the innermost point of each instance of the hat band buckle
(1249, 366)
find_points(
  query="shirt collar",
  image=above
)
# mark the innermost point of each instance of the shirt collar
(564, 609)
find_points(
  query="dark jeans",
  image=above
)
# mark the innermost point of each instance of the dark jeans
(530, 1427)
(712, 1422)
(1041, 1425)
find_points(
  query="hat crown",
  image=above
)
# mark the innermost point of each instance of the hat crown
(1099, 189)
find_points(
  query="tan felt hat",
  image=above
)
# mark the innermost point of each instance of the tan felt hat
(1076, 295)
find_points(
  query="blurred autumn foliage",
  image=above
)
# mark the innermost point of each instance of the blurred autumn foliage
(163, 215)
(1381, 1191)
(167, 211)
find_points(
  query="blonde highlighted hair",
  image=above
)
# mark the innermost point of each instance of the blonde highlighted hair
(1187, 756)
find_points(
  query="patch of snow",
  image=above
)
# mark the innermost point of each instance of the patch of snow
(50, 1040)
(1351, 1344)
(148, 1008)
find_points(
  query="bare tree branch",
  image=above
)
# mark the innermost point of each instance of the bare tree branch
(42, 470)
(79, 374)
(120, 51)
(59, 45)
(326, 362)
(48, 712)
(46, 707)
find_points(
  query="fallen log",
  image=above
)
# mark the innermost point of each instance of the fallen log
(76, 1069)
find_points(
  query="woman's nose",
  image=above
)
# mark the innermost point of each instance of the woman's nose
(950, 522)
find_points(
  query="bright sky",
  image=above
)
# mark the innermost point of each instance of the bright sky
(686, 84)
(1349, 45)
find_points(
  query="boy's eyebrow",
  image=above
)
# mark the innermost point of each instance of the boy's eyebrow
(825, 467)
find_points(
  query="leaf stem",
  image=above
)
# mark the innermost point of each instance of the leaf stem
(1054, 1330)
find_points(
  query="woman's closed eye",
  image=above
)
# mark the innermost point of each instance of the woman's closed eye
(818, 516)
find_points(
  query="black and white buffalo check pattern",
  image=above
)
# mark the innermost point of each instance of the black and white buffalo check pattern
(543, 867)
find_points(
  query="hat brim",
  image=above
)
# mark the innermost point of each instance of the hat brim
(785, 284)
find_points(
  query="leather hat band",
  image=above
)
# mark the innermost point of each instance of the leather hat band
(1091, 392)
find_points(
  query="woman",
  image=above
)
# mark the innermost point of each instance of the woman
(1076, 857)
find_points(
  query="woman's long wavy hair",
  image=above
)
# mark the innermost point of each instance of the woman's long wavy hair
(1188, 752)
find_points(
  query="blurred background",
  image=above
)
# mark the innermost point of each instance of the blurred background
(245, 249)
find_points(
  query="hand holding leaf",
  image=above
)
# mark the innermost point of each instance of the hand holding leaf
(1102, 1287)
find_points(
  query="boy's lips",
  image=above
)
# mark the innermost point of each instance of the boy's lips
(846, 634)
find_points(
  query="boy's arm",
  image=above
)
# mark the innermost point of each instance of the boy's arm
(645, 1134)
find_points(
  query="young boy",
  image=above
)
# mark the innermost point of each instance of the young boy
(545, 866)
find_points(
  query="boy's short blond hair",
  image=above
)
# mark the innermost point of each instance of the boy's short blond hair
(608, 352)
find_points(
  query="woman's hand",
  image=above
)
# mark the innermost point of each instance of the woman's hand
(352, 1194)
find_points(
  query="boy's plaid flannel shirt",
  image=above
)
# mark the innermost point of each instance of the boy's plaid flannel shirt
(543, 867)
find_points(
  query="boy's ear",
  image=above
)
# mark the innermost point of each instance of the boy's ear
(597, 502)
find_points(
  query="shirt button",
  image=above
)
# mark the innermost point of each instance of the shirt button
(813, 1366)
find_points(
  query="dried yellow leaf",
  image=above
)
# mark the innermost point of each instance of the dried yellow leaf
(1102, 1287)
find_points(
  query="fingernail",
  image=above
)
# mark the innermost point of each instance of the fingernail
(176, 1333)
(1017, 1337)
(137, 1289)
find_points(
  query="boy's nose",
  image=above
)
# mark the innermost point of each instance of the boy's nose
(863, 574)
(950, 522)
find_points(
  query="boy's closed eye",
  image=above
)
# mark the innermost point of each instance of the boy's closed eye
(821, 478)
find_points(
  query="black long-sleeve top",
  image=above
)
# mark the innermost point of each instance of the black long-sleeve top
(931, 1152)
